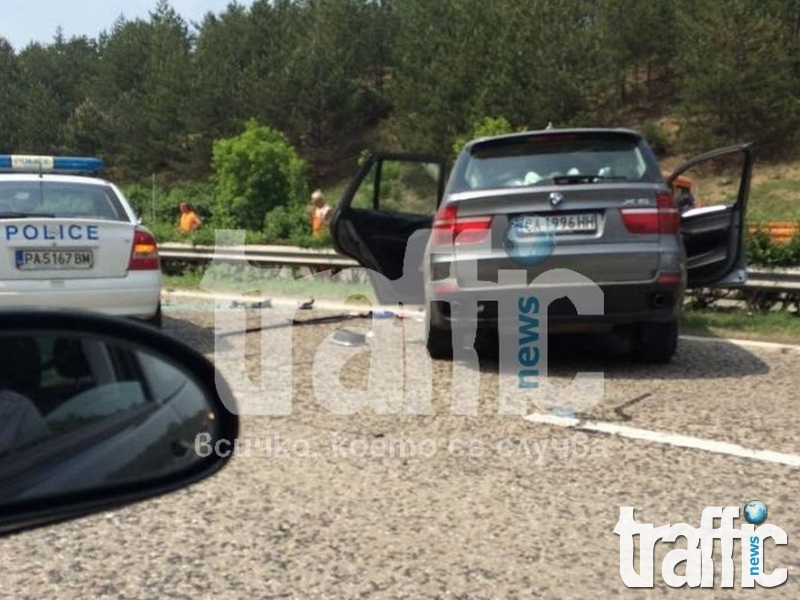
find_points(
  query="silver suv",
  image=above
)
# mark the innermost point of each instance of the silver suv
(581, 219)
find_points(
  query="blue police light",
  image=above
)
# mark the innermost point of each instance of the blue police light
(23, 163)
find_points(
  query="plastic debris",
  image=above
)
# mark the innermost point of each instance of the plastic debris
(563, 413)
(252, 305)
(347, 337)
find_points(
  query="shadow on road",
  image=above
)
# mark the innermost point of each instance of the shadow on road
(711, 358)
(567, 355)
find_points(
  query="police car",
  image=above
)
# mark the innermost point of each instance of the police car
(70, 239)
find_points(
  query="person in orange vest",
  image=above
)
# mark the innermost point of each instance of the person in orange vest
(189, 219)
(320, 213)
(686, 200)
(682, 189)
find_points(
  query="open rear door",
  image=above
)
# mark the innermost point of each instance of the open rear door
(713, 228)
(384, 219)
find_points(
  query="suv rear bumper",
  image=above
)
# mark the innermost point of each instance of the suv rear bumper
(621, 304)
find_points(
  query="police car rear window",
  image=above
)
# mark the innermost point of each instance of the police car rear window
(58, 199)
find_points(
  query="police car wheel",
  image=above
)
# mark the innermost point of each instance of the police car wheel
(155, 320)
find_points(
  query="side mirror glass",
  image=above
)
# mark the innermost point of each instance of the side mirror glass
(97, 412)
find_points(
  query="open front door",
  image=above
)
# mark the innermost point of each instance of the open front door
(712, 191)
(384, 219)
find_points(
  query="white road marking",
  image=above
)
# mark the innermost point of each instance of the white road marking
(669, 439)
(546, 419)
(740, 342)
(634, 433)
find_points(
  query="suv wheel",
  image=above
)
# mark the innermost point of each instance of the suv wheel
(654, 343)
(439, 341)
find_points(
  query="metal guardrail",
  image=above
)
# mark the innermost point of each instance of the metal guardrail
(277, 255)
(776, 280)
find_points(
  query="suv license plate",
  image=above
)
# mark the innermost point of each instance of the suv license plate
(574, 223)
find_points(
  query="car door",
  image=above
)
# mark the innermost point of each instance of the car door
(713, 230)
(384, 219)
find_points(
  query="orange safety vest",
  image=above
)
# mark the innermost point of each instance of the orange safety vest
(189, 220)
(318, 220)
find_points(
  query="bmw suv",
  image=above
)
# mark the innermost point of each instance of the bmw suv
(582, 221)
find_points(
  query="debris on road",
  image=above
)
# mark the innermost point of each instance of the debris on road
(252, 305)
(347, 337)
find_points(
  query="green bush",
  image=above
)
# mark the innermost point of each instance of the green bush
(308, 241)
(291, 225)
(256, 172)
(285, 223)
(763, 251)
(164, 232)
(793, 250)
(161, 205)
(481, 128)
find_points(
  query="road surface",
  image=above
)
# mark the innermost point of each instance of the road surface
(319, 504)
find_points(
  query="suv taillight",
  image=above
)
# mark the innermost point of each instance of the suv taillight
(449, 229)
(665, 218)
(144, 252)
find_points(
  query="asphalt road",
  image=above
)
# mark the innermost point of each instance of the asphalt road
(320, 504)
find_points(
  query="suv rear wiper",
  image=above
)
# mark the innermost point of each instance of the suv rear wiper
(24, 215)
(566, 179)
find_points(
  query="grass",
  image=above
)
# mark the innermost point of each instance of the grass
(774, 192)
(778, 326)
(775, 200)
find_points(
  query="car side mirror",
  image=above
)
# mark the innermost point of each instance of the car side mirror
(97, 412)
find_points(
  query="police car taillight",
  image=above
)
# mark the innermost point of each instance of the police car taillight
(144, 252)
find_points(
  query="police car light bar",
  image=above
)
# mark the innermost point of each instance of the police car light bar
(21, 163)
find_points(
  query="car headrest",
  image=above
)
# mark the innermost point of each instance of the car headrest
(69, 360)
(20, 364)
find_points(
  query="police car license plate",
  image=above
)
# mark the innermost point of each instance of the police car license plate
(32, 260)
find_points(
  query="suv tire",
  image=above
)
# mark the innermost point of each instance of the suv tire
(654, 343)
(439, 340)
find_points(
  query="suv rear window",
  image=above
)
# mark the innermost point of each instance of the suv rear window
(557, 159)
(65, 200)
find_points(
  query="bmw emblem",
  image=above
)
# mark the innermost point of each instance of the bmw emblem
(556, 198)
